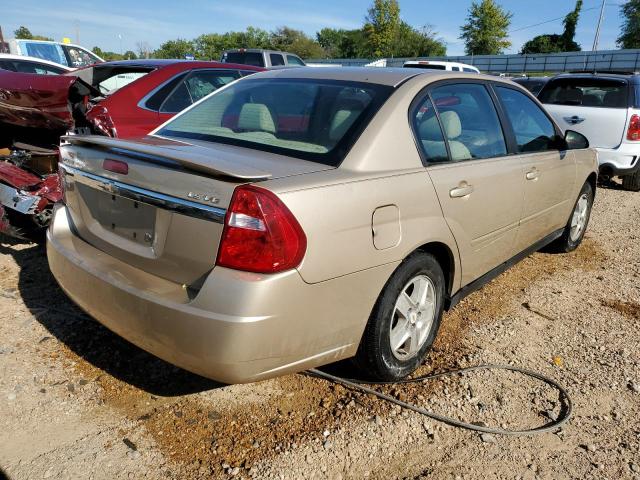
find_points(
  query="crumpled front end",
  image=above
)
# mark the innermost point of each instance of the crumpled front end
(29, 187)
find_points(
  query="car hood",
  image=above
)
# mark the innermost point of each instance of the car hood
(39, 101)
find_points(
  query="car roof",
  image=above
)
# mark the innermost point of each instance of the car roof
(633, 78)
(376, 75)
(10, 56)
(159, 63)
(258, 50)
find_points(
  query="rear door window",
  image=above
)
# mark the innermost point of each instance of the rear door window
(195, 86)
(428, 131)
(586, 92)
(533, 130)
(470, 121)
(276, 59)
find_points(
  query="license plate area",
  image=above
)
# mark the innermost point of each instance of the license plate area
(132, 220)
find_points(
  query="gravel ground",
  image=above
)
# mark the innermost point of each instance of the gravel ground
(76, 401)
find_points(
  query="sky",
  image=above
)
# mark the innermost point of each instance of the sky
(118, 25)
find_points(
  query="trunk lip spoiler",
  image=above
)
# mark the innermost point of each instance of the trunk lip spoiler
(191, 161)
(142, 195)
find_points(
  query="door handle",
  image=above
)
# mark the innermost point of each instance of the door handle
(574, 120)
(533, 174)
(462, 190)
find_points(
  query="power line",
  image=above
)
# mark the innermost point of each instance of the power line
(561, 18)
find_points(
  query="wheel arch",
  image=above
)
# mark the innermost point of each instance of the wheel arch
(445, 257)
(592, 179)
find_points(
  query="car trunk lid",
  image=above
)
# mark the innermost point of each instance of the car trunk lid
(164, 211)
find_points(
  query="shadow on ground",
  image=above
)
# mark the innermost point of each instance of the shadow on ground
(86, 337)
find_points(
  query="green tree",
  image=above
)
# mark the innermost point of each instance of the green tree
(486, 30)
(23, 33)
(175, 49)
(340, 43)
(412, 42)
(129, 55)
(296, 41)
(381, 27)
(630, 35)
(553, 43)
(211, 45)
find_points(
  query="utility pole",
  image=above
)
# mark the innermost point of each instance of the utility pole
(597, 37)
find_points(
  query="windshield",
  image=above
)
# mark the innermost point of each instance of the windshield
(316, 120)
(47, 51)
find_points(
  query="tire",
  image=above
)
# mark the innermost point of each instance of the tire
(376, 358)
(631, 182)
(576, 226)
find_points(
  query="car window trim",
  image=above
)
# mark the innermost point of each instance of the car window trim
(507, 121)
(426, 91)
(143, 101)
(189, 75)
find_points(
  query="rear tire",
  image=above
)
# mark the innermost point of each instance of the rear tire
(631, 182)
(578, 221)
(404, 321)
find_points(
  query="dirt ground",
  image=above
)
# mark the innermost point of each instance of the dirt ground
(76, 401)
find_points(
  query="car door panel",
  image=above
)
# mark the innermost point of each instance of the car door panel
(549, 174)
(485, 222)
(546, 196)
(479, 186)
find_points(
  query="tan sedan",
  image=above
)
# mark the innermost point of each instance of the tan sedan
(298, 217)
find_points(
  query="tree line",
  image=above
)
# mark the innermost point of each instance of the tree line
(383, 34)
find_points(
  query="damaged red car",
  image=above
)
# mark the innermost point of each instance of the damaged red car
(122, 99)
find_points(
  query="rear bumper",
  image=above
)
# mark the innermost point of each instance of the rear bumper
(624, 160)
(240, 327)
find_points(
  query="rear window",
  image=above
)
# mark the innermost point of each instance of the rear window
(319, 120)
(586, 92)
(426, 66)
(244, 58)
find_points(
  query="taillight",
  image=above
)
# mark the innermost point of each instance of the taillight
(260, 233)
(102, 121)
(633, 133)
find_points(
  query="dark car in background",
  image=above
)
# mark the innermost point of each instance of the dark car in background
(533, 84)
(259, 57)
(122, 99)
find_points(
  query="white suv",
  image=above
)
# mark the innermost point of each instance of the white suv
(606, 109)
(66, 54)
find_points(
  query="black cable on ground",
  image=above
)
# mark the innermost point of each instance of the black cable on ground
(358, 385)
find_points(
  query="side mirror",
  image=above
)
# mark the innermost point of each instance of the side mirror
(575, 140)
